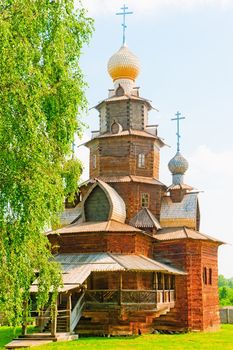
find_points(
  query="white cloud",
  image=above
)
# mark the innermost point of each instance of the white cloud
(213, 172)
(211, 167)
(150, 7)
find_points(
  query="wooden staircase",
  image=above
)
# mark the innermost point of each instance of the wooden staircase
(114, 320)
(62, 321)
(170, 321)
(66, 321)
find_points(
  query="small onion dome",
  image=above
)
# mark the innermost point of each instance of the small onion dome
(178, 164)
(123, 65)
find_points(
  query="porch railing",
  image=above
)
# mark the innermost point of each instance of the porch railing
(77, 312)
(130, 296)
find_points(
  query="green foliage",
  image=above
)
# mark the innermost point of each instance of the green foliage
(225, 290)
(71, 172)
(41, 98)
(222, 281)
(226, 296)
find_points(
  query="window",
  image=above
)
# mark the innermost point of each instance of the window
(205, 275)
(141, 160)
(145, 200)
(94, 161)
(120, 91)
(210, 276)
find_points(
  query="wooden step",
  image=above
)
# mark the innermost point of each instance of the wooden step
(36, 336)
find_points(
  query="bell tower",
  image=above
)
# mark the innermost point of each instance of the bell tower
(125, 151)
(125, 144)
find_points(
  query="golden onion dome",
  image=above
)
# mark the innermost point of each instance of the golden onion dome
(123, 65)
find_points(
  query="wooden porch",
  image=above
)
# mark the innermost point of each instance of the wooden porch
(91, 301)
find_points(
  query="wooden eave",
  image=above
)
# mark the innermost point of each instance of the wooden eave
(183, 233)
(114, 99)
(126, 179)
(127, 133)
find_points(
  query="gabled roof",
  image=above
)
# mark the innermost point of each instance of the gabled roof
(70, 215)
(174, 233)
(145, 219)
(77, 267)
(184, 213)
(102, 226)
(117, 205)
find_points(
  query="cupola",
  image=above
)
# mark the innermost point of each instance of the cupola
(124, 68)
(178, 166)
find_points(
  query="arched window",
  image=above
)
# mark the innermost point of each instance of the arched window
(120, 91)
(97, 206)
(141, 160)
(116, 128)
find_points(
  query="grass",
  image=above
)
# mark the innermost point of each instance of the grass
(8, 333)
(222, 339)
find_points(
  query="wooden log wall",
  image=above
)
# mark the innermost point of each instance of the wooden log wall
(196, 306)
(211, 318)
(131, 194)
(122, 242)
(118, 155)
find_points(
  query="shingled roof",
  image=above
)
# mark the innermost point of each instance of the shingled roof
(128, 132)
(174, 233)
(77, 267)
(145, 219)
(125, 98)
(102, 226)
(184, 213)
(117, 205)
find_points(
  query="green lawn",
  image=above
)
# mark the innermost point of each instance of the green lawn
(6, 334)
(221, 340)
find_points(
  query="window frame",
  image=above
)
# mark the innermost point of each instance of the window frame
(141, 160)
(145, 197)
(210, 277)
(205, 276)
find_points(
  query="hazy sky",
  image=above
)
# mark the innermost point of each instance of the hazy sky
(186, 53)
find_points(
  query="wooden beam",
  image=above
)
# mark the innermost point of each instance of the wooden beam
(163, 286)
(120, 288)
(155, 285)
(68, 311)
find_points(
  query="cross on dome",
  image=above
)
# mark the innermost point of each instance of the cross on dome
(178, 119)
(124, 13)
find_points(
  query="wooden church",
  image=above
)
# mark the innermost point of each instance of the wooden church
(132, 256)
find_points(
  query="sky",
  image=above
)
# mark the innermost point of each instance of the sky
(186, 54)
